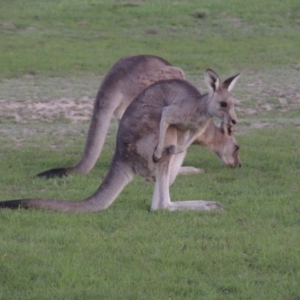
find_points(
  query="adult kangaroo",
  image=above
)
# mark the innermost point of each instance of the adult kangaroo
(123, 82)
(186, 112)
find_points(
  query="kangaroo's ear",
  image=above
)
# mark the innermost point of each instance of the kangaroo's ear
(230, 82)
(212, 80)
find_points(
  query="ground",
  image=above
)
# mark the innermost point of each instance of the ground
(42, 99)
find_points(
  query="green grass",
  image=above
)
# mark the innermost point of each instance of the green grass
(71, 37)
(55, 49)
(249, 251)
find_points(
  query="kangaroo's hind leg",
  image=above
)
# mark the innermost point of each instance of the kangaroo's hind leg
(161, 196)
(165, 175)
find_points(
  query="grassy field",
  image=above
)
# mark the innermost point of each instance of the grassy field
(57, 52)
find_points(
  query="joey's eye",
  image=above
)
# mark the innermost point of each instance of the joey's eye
(236, 148)
(223, 104)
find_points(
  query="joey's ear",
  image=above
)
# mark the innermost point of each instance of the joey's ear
(230, 82)
(212, 80)
(226, 128)
(223, 128)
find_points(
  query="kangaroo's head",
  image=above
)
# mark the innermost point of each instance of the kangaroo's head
(227, 148)
(220, 101)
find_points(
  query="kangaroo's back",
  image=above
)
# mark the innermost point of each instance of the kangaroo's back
(132, 74)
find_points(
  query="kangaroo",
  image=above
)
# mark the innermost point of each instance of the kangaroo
(138, 139)
(123, 82)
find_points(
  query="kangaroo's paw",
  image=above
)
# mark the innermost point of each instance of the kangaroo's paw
(59, 172)
(171, 150)
(157, 155)
(155, 158)
(167, 151)
(174, 149)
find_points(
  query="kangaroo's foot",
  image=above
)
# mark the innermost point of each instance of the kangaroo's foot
(189, 171)
(195, 205)
(58, 172)
(11, 204)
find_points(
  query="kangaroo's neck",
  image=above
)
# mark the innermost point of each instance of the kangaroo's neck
(203, 108)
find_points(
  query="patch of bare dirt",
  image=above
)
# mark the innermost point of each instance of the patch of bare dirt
(275, 91)
(33, 98)
(28, 111)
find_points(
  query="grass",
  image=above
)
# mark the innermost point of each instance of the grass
(249, 251)
(76, 37)
(52, 50)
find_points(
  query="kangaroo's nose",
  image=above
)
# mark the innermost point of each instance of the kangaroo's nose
(233, 122)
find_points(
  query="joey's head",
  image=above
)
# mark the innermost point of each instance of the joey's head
(226, 147)
(220, 101)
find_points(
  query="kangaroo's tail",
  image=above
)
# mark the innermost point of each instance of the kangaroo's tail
(119, 175)
(102, 114)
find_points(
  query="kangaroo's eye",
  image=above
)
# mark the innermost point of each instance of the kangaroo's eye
(223, 104)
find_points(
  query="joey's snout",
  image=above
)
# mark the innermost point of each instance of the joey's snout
(230, 159)
(235, 163)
